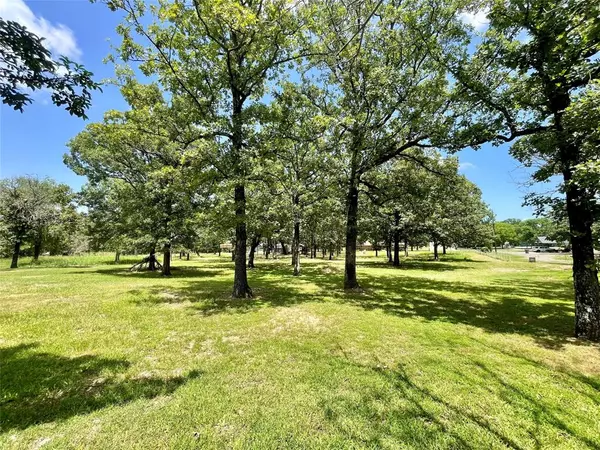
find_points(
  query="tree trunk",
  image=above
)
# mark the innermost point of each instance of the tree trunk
(241, 289)
(15, 256)
(187, 257)
(585, 274)
(350, 281)
(253, 245)
(251, 257)
(37, 249)
(152, 260)
(443, 249)
(396, 239)
(284, 250)
(376, 254)
(581, 218)
(405, 247)
(117, 257)
(296, 247)
(166, 266)
(388, 251)
(435, 251)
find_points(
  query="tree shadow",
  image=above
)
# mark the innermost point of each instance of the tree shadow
(396, 406)
(38, 387)
(433, 266)
(127, 260)
(446, 263)
(213, 296)
(507, 304)
(512, 393)
(581, 383)
(176, 272)
(541, 310)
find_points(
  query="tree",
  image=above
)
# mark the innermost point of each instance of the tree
(528, 230)
(66, 234)
(220, 57)
(294, 153)
(109, 216)
(26, 64)
(374, 227)
(465, 220)
(331, 230)
(430, 198)
(28, 206)
(401, 192)
(525, 90)
(154, 153)
(505, 233)
(267, 215)
(383, 89)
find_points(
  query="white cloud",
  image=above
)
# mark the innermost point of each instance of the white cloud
(466, 166)
(59, 39)
(477, 20)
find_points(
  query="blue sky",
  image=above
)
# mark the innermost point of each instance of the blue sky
(34, 142)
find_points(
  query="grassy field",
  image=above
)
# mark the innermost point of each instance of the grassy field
(466, 352)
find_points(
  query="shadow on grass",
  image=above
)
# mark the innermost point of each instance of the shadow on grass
(41, 387)
(428, 415)
(176, 272)
(541, 309)
(25, 263)
(425, 263)
(585, 385)
(210, 296)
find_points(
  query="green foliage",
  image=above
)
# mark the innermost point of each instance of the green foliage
(25, 64)
(534, 80)
(218, 57)
(145, 166)
(534, 54)
(527, 82)
(31, 210)
(422, 194)
(505, 233)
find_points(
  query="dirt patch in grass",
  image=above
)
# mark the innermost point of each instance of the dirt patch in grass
(296, 319)
(507, 270)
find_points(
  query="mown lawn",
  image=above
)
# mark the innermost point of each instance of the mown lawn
(467, 352)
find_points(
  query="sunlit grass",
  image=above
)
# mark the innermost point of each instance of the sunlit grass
(71, 261)
(467, 352)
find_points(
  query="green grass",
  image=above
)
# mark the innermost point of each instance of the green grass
(84, 260)
(467, 352)
(511, 255)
